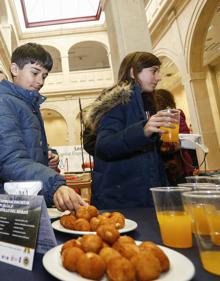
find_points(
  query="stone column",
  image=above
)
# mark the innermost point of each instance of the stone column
(65, 66)
(214, 96)
(127, 29)
(201, 116)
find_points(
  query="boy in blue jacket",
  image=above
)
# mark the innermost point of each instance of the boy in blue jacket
(23, 143)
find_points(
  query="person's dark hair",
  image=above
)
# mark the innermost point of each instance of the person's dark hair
(164, 99)
(32, 53)
(137, 61)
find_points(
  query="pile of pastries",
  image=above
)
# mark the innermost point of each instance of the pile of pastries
(87, 218)
(119, 257)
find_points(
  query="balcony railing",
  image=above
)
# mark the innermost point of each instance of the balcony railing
(79, 80)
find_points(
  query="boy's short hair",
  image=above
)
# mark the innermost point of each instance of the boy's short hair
(32, 53)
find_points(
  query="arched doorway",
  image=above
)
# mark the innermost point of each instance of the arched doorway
(88, 55)
(56, 127)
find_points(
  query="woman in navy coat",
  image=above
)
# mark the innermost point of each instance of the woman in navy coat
(127, 160)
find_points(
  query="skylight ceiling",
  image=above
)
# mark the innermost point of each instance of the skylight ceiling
(45, 13)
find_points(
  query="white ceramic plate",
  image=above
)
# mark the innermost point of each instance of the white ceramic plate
(53, 213)
(181, 268)
(129, 226)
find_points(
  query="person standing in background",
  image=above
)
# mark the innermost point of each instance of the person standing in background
(127, 159)
(23, 145)
(178, 164)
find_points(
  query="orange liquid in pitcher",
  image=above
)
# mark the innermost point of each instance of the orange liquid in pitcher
(171, 135)
(175, 228)
(211, 261)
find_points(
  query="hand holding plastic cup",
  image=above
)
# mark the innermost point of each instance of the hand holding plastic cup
(174, 222)
(204, 208)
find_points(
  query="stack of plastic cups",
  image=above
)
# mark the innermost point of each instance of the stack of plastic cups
(204, 209)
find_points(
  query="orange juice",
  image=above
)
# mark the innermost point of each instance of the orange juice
(214, 225)
(199, 222)
(175, 228)
(211, 261)
(171, 135)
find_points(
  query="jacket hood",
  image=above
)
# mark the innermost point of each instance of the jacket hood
(119, 94)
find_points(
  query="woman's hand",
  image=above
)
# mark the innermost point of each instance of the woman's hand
(65, 198)
(161, 119)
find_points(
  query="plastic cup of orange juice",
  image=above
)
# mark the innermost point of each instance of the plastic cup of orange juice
(174, 221)
(171, 135)
(204, 208)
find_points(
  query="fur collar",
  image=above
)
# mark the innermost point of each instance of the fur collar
(119, 94)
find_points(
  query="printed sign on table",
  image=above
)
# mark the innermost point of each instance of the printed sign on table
(20, 218)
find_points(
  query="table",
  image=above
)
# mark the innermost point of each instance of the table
(148, 229)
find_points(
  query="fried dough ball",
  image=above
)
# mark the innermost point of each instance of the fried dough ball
(108, 233)
(71, 243)
(120, 269)
(81, 225)
(108, 253)
(68, 221)
(87, 212)
(164, 261)
(147, 266)
(106, 221)
(102, 218)
(118, 220)
(70, 256)
(91, 243)
(83, 213)
(91, 265)
(127, 250)
(93, 211)
(94, 223)
(124, 239)
(117, 214)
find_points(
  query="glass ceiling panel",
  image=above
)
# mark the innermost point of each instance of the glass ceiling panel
(50, 12)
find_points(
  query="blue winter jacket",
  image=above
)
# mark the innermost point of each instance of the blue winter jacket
(126, 162)
(23, 143)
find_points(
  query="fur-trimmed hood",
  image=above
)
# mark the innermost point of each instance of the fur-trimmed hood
(119, 94)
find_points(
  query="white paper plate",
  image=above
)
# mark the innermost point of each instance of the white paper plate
(129, 226)
(181, 268)
(53, 213)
